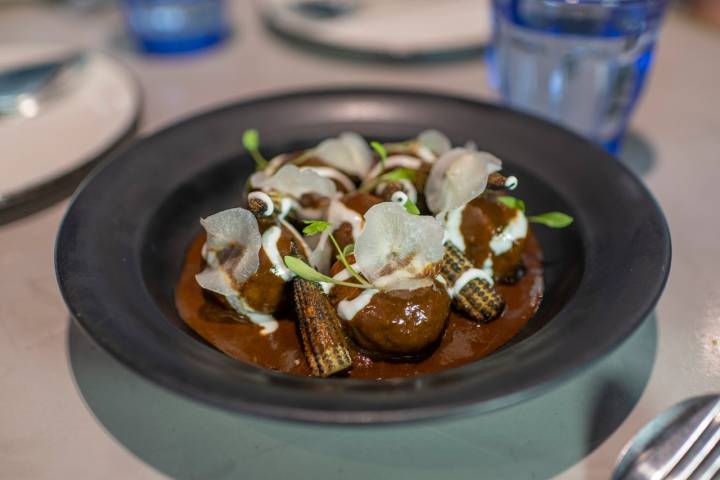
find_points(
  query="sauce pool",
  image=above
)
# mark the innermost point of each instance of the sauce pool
(464, 341)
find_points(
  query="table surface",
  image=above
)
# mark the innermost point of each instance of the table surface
(68, 410)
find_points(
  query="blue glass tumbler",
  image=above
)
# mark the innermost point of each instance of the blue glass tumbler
(176, 26)
(580, 63)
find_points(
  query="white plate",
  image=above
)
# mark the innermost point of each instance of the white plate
(398, 28)
(99, 106)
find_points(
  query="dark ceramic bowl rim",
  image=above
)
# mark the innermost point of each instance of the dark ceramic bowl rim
(177, 363)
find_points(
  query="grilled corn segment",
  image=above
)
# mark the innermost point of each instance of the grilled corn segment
(477, 298)
(323, 340)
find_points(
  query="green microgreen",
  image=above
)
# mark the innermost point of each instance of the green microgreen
(380, 149)
(394, 175)
(549, 219)
(251, 142)
(397, 175)
(349, 249)
(552, 219)
(303, 270)
(512, 202)
(411, 207)
(317, 226)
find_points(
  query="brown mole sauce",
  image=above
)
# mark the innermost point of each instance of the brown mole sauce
(463, 342)
(482, 218)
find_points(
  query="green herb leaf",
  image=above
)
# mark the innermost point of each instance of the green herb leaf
(380, 149)
(251, 142)
(348, 250)
(251, 139)
(512, 202)
(303, 270)
(411, 208)
(315, 226)
(398, 174)
(552, 219)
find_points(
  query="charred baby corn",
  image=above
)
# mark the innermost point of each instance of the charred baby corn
(476, 297)
(323, 340)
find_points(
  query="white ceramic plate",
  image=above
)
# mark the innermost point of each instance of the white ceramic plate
(396, 28)
(99, 106)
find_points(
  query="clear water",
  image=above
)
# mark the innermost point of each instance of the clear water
(169, 26)
(582, 64)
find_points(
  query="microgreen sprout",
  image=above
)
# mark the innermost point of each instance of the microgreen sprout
(394, 175)
(512, 202)
(411, 207)
(380, 149)
(305, 271)
(549, 219)
(552, 219)
(251, 142)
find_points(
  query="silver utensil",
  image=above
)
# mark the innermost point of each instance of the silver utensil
(22, 88)
(682, 443)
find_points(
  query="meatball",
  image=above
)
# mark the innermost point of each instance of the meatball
(266, 291)
(393, 324)
(482, 219)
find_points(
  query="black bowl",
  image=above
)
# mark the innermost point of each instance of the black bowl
(122, 243)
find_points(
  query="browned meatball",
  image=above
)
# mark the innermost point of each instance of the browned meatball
(396, 323)
(482, 219)
(265, 291)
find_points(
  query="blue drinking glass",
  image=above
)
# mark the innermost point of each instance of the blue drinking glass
(580, 63)
(175, 26)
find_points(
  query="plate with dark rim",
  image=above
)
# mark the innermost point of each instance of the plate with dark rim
(121, 246)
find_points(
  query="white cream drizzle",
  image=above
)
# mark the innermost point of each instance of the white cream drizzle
(286, 205)
(338, 213)
(488, 266)
(425, 153)
(453, 234)
(333, 174)
(399, 197)
(347, 309)
(341, 276)
(410, 189)
(265, 198)
(395, 161)
(466, 277)
(266, 321)
(511, 182)
(296, 236)
(269, 244)
(515, 230)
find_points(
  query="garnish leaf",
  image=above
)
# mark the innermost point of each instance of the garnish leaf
(398, 174)
(251, 142)
(348, 250)
(380, 149)
(251, 139)
(552, 219)
(411, 208)
(315, 226)
(391, 176)
(303, 270)
(512, 202)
